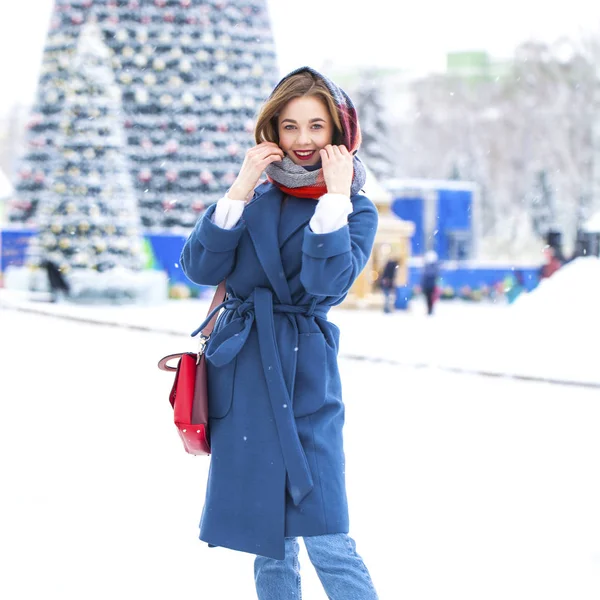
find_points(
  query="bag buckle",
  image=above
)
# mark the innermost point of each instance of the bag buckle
(202, 341)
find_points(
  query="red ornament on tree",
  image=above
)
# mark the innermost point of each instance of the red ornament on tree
(171, 176)
(133, 4)
(186, 3)
(128, 123)
(222, 127)
(160, 3)
(197, 206)
(206, 177)
(145, 175)
(34, 121)
(191, 20)
(189, 127)
(146, 19)
(21, 204)
(169, 17)
(171, 147)
(39, 178)
(168, 204)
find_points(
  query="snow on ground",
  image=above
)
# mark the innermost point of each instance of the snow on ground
(575, 286)
(545, 334)
(460, 486)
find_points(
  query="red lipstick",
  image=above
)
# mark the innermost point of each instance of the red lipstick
(304, 155)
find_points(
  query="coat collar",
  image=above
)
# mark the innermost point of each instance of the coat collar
(262, 222)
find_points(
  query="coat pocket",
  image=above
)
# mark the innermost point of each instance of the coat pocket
(310, 385)
(220, 389)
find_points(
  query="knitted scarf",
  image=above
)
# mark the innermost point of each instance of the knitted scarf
(294, 179)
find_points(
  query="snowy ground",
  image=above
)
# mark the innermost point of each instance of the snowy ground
(460, 486)
(539, 337)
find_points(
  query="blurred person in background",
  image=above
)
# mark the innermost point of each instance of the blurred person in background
(59, 287)
(553, 262)
(387, 283)
(429, 280)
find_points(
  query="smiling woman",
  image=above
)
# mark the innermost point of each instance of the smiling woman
(289, 249)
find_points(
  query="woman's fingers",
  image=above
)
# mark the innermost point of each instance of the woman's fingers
(327, 152)
(265, 148)
(261, 154)
(271, 158)
(330, 151)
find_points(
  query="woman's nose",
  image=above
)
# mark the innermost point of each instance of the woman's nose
(303, 136)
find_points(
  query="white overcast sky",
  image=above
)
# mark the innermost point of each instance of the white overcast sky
(341, 33)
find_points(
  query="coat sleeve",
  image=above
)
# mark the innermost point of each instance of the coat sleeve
(208, 255)
(332, 261)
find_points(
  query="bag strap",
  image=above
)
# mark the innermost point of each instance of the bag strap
(218, 298)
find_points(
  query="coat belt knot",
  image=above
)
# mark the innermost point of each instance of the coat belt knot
(225, 345)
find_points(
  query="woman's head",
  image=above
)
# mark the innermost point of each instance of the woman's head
(302, 115)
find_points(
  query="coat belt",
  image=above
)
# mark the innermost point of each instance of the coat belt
(227, 343)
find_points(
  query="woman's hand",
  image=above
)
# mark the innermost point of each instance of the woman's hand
(338, 169)
(256, 161)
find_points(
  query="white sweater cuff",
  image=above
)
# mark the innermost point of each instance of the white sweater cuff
(331, 213)
(228, 212)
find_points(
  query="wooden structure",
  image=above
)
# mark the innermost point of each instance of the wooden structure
(391, 241)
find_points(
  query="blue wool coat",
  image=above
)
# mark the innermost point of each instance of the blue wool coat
(276, 410)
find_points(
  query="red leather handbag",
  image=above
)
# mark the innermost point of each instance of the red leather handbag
(189, 394)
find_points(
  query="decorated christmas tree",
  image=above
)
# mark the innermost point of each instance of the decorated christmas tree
(33, 181)
(192, 75)
(87, 216)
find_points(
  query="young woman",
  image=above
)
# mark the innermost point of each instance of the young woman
(289, 249)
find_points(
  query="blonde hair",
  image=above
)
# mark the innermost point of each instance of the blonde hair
(296, 86)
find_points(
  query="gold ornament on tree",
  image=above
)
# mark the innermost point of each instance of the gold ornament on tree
(158, 64)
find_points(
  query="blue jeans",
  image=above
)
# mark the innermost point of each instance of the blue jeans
(340, 569)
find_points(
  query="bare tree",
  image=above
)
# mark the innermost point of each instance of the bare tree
(503, 131)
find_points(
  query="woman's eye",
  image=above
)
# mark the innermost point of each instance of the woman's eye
(318, 126)
(289, 127)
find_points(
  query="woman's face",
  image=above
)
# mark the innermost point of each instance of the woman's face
(304, 127)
